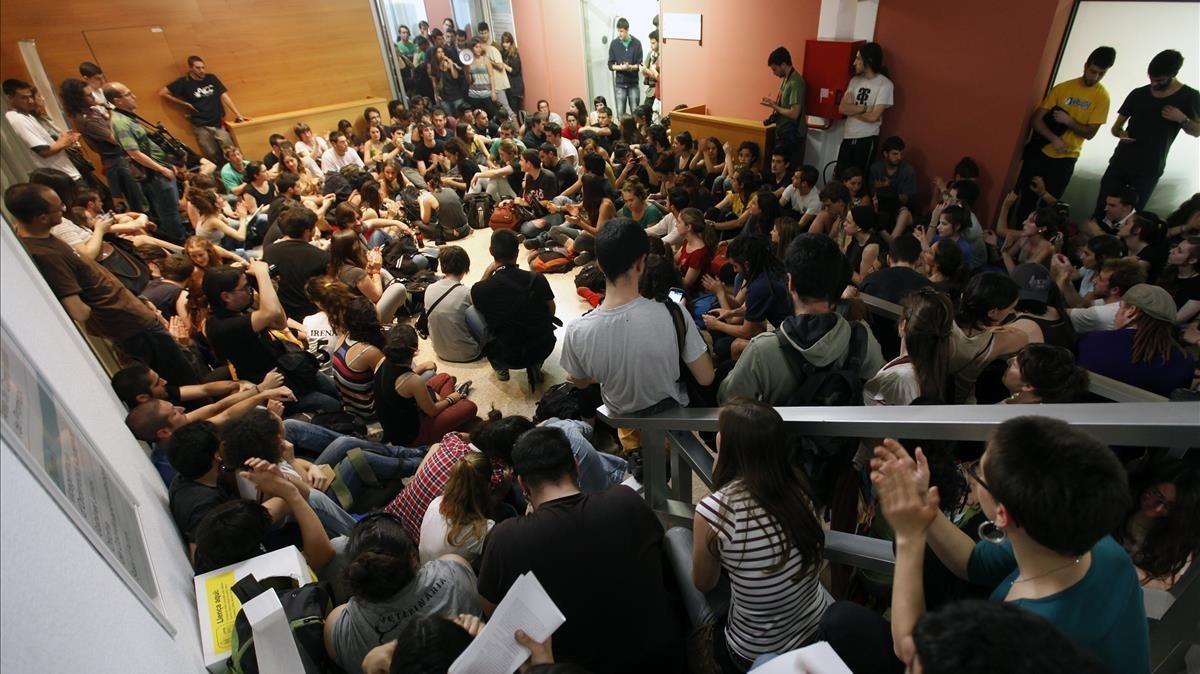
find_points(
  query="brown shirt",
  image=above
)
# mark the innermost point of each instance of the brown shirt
(116, 313)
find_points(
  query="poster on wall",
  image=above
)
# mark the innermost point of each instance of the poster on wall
(63, 458)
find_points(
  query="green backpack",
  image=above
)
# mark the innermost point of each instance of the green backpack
(305, 607)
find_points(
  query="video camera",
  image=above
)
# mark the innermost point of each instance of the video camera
(177, 150)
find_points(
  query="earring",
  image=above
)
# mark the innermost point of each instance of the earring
(991, 533)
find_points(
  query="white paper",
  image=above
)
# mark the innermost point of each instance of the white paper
(273, 642)
(818, 658)
(681, 26)
(526, 607)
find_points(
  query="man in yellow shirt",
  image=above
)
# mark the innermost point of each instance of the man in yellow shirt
(1070, 113)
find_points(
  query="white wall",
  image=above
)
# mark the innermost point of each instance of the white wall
(1138, 31)
(64, 609)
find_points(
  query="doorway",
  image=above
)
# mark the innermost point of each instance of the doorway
(600, 28)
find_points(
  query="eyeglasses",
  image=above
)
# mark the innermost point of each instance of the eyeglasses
(973, 471)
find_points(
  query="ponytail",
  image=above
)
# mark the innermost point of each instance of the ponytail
(466, 500)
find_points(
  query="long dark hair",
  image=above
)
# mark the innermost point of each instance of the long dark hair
(593, 197)
(753, 252)
(581, 113)
(75, 98)
(361, 321)
(985, 292)
(928, 320)
(345, 247)
(1176, 538)
(381, 557)
(751, 459)
(872, 56)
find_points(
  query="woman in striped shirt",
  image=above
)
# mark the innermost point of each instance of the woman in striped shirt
(760, 527)
(356, 353)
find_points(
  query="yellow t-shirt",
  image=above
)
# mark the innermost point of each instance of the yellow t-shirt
(1086, 105)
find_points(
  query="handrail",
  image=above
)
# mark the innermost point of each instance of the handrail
(1098, 384)
(1170, 424)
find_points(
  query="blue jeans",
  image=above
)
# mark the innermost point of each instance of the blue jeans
(122, 185)
(325, 398)
(626, 98)
(337, 521)
(477, 326)
(330, 447)
(163, 196)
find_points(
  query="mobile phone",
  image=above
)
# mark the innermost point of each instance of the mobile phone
(676, 295)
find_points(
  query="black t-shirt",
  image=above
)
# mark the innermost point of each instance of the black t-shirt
(492, 130)
(607, 141)
(600, 558)
(544, 186)
(444, 136)
(261, 199)
(232, 336)
(163, 294)
(1187, 289)
(565, 175)
(515, 304)
(517, 176)
(423, 153)
(1152, 134)
(892, 284)
(468, 168)
(190, 501)
(270, 160)
(1154, 255)
(204, 94)
(296, 262)
(533, 141)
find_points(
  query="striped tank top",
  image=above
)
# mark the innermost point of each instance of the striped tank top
(356, 386)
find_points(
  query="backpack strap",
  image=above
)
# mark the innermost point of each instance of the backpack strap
(857, 351)
(678, 319)
(446, 294)
(799, 367)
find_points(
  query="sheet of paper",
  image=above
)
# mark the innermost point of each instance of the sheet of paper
(526, 607)
(818, 658)
(274, 645)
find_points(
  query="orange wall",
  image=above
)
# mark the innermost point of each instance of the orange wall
(550, 39)
(727, 70)
(967, 77)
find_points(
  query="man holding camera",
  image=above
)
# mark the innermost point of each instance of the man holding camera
(787, 108)
(150, 163)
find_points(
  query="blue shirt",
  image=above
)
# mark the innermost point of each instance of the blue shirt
(767, 299)
(1103, 613)
(1110, 353)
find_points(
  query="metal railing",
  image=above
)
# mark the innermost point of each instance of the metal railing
(1160, 424)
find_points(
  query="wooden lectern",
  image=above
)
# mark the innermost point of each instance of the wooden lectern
(732, 130)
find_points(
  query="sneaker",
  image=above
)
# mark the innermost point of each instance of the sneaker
(583, 258)
(502, 375)
(590, 296)
(464, 388)
(533, 243)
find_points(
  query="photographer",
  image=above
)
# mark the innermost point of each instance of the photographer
(255, 340)
(150, 163)
(787, 109)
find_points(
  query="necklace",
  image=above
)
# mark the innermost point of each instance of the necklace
(1043, 575)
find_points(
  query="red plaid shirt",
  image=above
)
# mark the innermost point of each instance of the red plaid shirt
(429, 482)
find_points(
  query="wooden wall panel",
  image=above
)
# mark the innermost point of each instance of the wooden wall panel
(274, 55)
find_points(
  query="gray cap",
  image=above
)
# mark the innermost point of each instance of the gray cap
(1034, 282)
(1151, 300)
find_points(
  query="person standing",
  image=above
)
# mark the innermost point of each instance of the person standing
(497, 65)
(1155, 113)
(1070, 113)
(788, 107)
(869, 93)
(206, 97)
(625, 60)
(157, 177)
(650, 70)
(46, 150)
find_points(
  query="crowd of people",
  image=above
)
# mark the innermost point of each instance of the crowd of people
(271, 311)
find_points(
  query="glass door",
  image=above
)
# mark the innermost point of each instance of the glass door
(389, 16)
(600, 29)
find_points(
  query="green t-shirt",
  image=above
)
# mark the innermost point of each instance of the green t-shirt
(1103, 613)
(650, 216)
(231, 176)
(791, 92)
(407, 48)
(131, 135)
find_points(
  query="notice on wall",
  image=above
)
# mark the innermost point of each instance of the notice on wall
(64, 459)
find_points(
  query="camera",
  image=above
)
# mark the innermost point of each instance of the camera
(252, 280)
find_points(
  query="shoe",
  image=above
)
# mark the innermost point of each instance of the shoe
(464, 388)
(534, 375)
(502, 375)
(533, 243)
(583, 258)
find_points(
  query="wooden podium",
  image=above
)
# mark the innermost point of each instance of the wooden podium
(732, 130)
(252, 137)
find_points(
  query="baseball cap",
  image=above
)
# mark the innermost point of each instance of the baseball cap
(1151, 300)
(1034, 281)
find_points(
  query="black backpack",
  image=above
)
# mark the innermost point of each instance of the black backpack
(410, 202)
(834, 385)
(337, 185)
(398, 256)
(590, 277)
(478, 208)
(305, 607)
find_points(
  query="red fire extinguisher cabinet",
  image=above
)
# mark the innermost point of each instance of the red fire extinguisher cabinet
(828, 65)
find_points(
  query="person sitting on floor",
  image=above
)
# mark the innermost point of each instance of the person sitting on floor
(414, 409)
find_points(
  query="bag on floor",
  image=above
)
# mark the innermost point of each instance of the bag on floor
(552, 261)
(358, 487)
(305, 607)
(591, 277)
(563, 401)
(398, 255)
(416, 285)
(478, 208)
(503, 217)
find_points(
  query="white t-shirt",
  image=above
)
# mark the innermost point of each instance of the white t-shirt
(316, 150)
(332, 161)
(895, 384)
(802, 203)
(628, 351)
(70, 233)
(1099, 316)
(322, 340)
(567, 152)
(34, 135)
(868, 92)
(434, 532)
